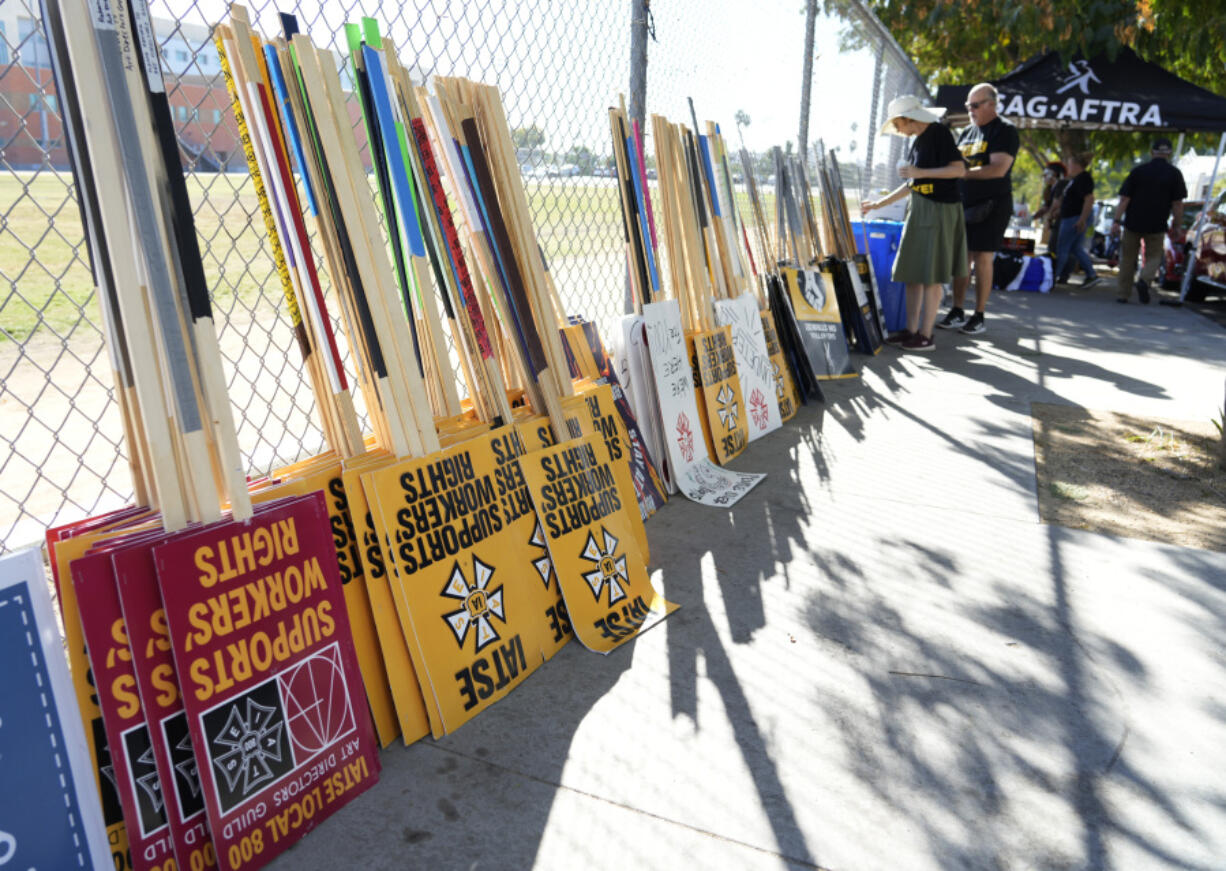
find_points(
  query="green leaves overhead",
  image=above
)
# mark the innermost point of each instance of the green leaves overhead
(972, 40)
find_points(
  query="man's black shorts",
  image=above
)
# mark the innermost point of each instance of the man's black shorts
(988, 233)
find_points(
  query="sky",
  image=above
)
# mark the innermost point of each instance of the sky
(561, 64)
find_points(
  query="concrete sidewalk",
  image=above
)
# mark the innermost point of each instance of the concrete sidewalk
(883, 660)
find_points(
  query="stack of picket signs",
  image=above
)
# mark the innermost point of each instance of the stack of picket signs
(824, 306)
(239, 648)
(702, 367)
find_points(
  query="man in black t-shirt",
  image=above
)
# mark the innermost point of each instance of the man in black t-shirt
(1075, 208)
(1152, 193)
(989, 146)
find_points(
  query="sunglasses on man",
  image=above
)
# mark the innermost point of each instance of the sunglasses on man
(975, 105)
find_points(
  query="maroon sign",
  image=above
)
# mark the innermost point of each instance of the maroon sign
(269, 677)
(171, 744)
(131, 768)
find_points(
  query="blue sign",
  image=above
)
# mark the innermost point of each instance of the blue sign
(49, 812)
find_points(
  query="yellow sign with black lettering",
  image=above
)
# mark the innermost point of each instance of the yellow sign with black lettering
(814, 301)
(586, 519)
(715, 379)
(785, 385)
(546, 598)
(456, 530)
(599, 404)
(402, 680)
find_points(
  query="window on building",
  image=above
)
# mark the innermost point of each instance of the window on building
(39, 102)
(181, 113)
(216, 116)
(33, 45)
(4, 45)
(181, 56)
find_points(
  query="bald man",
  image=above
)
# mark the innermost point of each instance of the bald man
(989, 146)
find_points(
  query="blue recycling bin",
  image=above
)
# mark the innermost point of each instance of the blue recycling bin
(883, 241)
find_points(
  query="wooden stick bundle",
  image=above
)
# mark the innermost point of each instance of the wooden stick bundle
(179, 421)
(471, 128)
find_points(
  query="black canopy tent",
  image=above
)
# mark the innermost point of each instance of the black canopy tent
(1126, 93)
(1100, 93)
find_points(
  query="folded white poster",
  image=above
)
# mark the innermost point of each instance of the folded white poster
(695, 474)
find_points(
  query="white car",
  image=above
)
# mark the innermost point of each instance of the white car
(1104, 214)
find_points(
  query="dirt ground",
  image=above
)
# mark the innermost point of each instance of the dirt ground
(1132, 476)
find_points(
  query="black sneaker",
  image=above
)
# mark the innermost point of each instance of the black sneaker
(899, 337)
(1142, 289)
(953, 320)
(1095, 282)
(974, 325)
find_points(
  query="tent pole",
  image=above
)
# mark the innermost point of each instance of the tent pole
(1179, 146)
(1190, 264)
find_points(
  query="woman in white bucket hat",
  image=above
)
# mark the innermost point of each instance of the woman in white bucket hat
(933, 246)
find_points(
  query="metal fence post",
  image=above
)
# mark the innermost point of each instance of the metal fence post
(639, 10)
(806, 85)
(871, 133)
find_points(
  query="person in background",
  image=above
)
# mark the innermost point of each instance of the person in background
(1049, 207)
(1150, 194)
(932, 250)
(1075, 210)
(1057, 198)
(989, 146)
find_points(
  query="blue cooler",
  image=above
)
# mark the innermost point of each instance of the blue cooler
(883, 241)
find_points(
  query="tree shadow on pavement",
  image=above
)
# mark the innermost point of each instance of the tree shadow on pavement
(996, 721)
(480, 797)
(754, 542)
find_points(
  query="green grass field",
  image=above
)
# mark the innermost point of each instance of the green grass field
(46, 285)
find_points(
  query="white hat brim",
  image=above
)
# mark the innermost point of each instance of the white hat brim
(921, 114)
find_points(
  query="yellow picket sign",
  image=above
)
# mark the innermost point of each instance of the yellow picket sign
(785, 385)
(587, 524)
(546, 599)
(577, 350)
(452, 527)
(716, 381)
(599, 404)
(325, 475)
(823, 338)
(537, 432)
(402, 679)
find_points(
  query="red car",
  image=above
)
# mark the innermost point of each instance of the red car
(1175, 256)
(1209, 264)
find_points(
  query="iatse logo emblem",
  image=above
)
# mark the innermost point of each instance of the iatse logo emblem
(610, 568)
(543, 564)
(481, 604)
(728, 408)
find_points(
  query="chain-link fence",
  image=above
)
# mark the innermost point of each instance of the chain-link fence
(558, 65)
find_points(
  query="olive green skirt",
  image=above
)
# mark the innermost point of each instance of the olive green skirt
(933, 245)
